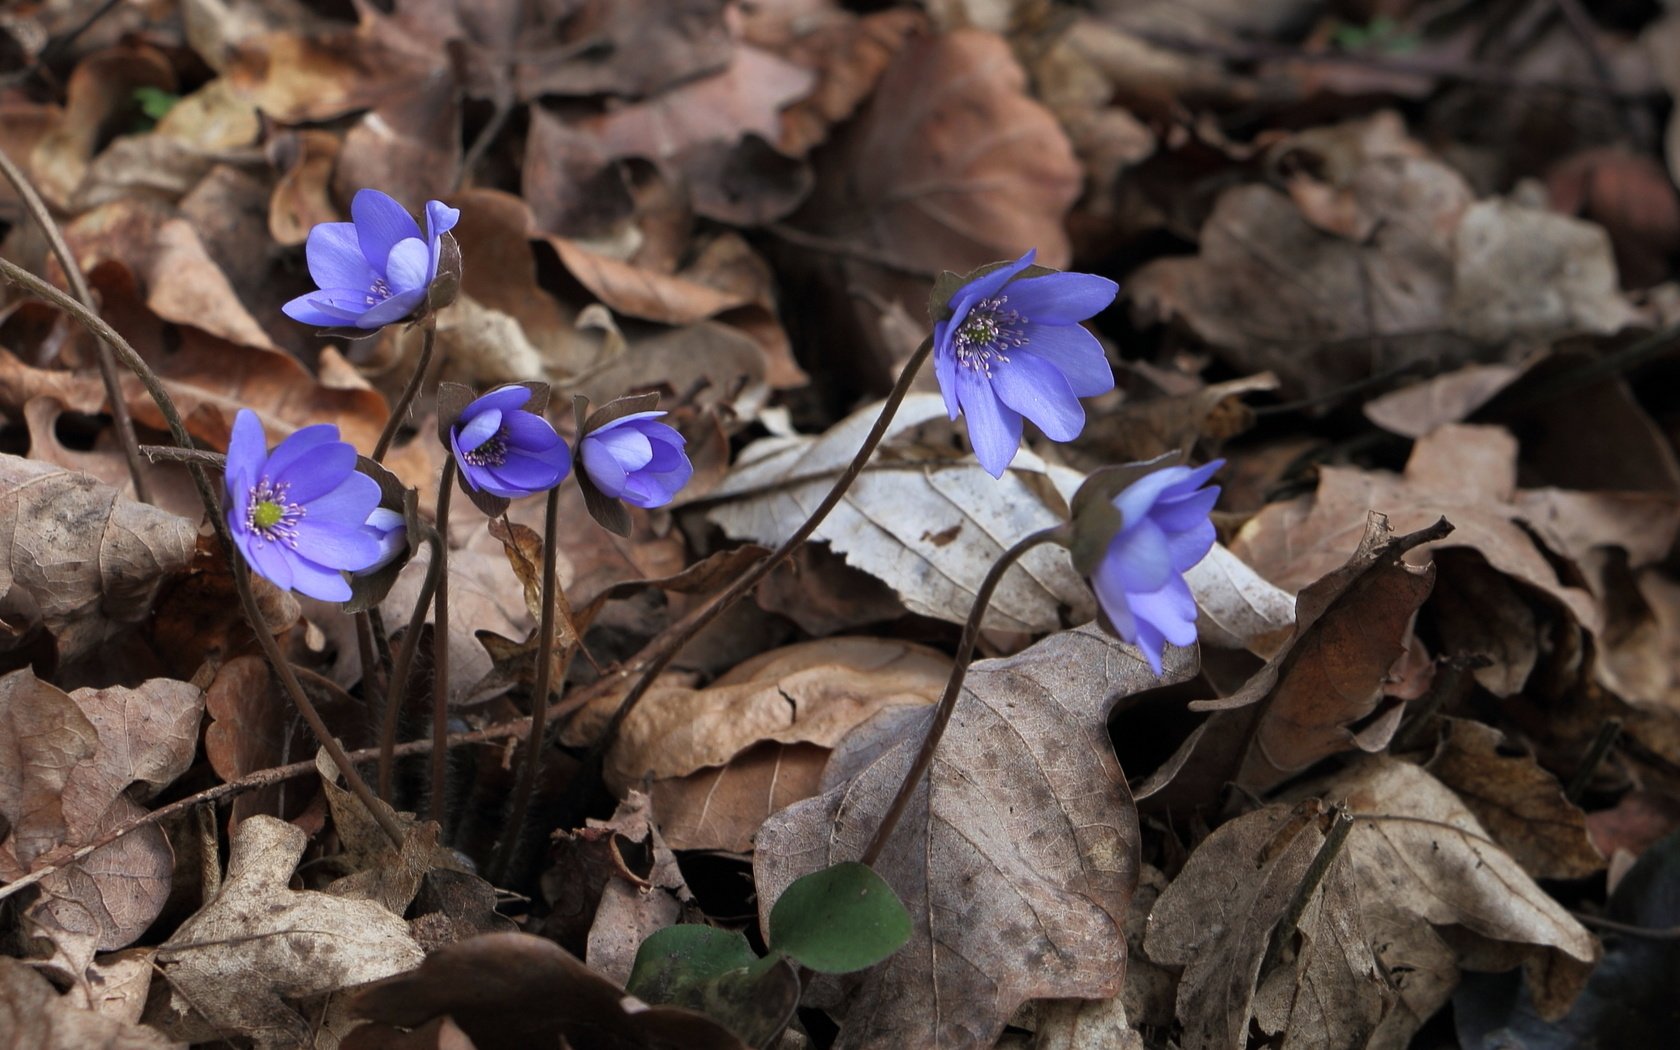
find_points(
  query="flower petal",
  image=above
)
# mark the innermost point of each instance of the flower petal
(380, 224)
(993, 428)
(503, 399)
(1192, 479)
(604, 469)
(1035, 388)
(529, 432)
(1139, 498)
(1178, 513)
(634, 417)
(522, 475)
(297, 444)
(1111, 594)
(479, 429)
(406, 266)
(395, 308)
(271, 560)
(1062, 298)
(323, 309)
(1185, 549)
(1139, 557)
(319, 581)
(440, 219)
(945, 367)
(315, 469)
(353, 501)
(1151, 644)
(986, 286)
(336, 545)
(1170, 610)
(630, 447)
(247, 450)
(1074, 352)
(335, 257)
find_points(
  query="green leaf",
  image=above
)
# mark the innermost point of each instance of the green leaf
(716, 972)
(839, 919)
(155, 103)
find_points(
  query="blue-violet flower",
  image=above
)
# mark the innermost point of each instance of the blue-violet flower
(300, 514)
(389, 530)
(1014, 348)
(505, 451)
(1164, 531)
(636, 459)
(375, 269)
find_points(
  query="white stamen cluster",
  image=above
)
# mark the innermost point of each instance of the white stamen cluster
(987, 333)
(377, 292)
(493, 453)
(266, 492)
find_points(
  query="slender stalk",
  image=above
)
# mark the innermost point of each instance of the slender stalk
(306, 707)
(672, 642)
(396, 690)
(37, 209)
(399, 411)
(1340, 824)
(440, 645)
(136, 364)
(953, 687)
(539, 703)
(367, 656)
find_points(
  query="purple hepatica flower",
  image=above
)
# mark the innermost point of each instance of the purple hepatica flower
(1014, 348)
(636, 459)
(374, 270)
(389, 530)
(299, 514)
(507, 452)
(1164, 530)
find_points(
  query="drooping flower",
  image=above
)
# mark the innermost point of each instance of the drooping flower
(299, 514)
(1164, 531)
(636, 459)
(375, 269)
(1013, 347)
(505, 451)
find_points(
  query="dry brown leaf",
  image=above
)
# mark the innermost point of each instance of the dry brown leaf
(722, 808)
(1351, 628)
(101, 88)
(1520, 804)
(1220, 917)
(1016, 858)
(409, 146)
(626, 910)
(513, 991)
(33, 1016)
(76, 559)
(638, 48)
(301, 78)
(639, 292)
(233, 965)
(172, 487)
(809, 693)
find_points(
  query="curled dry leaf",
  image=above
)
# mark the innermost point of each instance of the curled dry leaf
(513, 991)
(234, 964)
(76, 559)
(928, 525)
(1017, 857)
(1352, 627)
(33, 1016)
(812, 692)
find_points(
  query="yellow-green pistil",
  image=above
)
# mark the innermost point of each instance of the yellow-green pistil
(987, 334)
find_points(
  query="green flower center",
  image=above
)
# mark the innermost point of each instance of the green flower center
(267, 514)
(271, 515)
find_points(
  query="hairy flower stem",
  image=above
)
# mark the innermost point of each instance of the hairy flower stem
(37, 210)
(440, 645)
(399, 411)
(953, 687)
(288, 678)
(665, 648)
(397, 688)
(539, 699)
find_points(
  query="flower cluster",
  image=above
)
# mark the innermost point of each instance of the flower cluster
(1164, 530)
(377, 268)
(1011, 346)
(303, 515)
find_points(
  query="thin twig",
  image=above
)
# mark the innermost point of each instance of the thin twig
(1340, 824)
(665, 648)
(953, 688)
(846, 250)
(396, 690)
(539, 706)
(37, 209)
(306, 707)
(399, 411)
(1655, 933)
(251, 782)
(440, 645)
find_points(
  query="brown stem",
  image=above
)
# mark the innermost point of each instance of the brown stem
(271, 649)
(396, 690)
(251, 782)
(668, 645)
(953, 687)
(1340, 824)
(539, 706)
(368, 657)
(440, 645)
(399, 411)
(37, 210)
